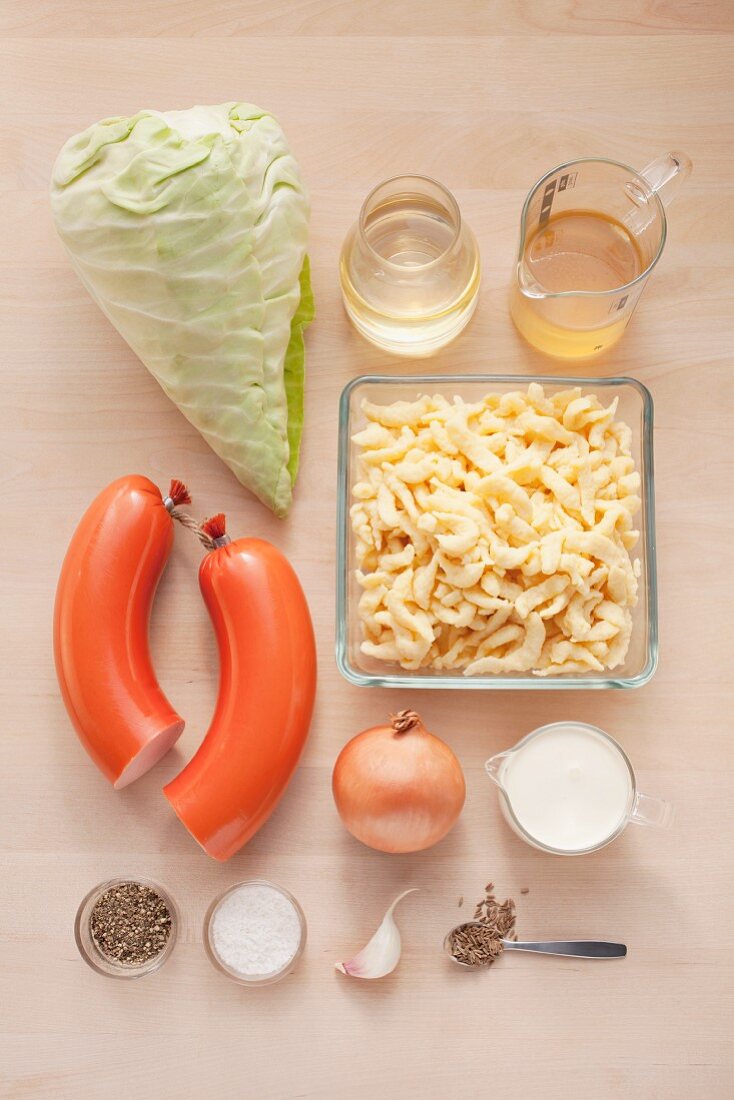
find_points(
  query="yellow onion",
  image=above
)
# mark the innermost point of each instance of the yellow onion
(397, 787)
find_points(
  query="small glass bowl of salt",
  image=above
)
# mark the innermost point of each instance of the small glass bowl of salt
(255, 932)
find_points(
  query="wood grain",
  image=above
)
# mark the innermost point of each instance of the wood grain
(485, 95)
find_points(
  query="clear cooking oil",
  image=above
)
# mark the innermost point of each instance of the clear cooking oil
(409, 268)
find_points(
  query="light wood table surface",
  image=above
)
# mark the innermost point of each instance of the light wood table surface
(486, 96)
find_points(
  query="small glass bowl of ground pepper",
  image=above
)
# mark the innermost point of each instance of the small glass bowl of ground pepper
(126, 927)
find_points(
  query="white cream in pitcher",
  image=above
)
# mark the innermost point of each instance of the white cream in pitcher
(569, 787)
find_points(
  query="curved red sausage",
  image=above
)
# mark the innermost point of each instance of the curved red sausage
(103, 601)
(267, 685)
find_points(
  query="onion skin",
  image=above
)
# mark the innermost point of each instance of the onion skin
(397, 787)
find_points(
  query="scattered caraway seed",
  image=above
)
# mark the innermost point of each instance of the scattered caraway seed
(461, 901)
(479, 943)
(130, 923)
(525, 890)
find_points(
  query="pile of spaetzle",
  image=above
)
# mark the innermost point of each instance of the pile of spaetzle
(495, 537)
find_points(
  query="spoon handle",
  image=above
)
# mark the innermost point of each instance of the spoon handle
(582, 949)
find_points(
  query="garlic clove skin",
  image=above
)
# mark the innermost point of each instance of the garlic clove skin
(381, 955)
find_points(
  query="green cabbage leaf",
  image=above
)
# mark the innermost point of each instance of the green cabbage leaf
(190, 230)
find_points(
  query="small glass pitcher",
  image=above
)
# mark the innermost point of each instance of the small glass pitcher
(526, 799)
(596, 228)
(409, 267)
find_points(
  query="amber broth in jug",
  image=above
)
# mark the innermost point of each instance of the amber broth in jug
(576, 250)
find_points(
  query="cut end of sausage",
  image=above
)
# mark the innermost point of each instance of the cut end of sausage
(150, 754)
(178, 805)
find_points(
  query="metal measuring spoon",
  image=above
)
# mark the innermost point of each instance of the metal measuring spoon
(580, 949)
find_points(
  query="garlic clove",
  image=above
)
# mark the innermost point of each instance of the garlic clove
(382, 954)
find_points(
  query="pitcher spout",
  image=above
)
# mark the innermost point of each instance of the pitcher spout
(493, 766)
(527, 284)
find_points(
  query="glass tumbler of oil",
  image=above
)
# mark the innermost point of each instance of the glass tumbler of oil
(591, 233)
(409, 267)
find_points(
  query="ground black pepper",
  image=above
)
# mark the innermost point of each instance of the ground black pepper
(130, 923)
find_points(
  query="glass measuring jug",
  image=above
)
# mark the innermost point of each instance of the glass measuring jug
(569, 788)
(409, 267)
(591, 232)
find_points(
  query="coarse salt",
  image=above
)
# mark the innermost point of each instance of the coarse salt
(256, 930)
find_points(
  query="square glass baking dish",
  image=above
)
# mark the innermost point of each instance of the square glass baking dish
(635, 408)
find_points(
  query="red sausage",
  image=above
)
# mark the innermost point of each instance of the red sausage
(267, 685)
(103, 601)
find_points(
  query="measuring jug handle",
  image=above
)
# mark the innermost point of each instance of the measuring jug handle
(666, 174)
(493, 765)
(647, 810)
